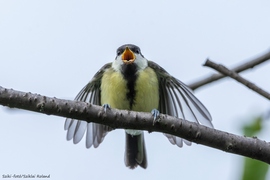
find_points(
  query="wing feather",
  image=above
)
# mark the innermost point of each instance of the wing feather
(163, 98)
(186, 101)
(76, 129)
(176, 99)
(173, 104)
(79, 131)
(195, 101)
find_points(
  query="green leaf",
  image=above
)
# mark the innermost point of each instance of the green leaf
(254, 170)
(253, 128)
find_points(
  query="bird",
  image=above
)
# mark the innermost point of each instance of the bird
(132, 82)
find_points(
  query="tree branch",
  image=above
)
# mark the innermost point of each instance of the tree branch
(249, 147)
(246, 65)
(222, 69)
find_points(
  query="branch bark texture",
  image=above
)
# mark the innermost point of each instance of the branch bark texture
(122, 119)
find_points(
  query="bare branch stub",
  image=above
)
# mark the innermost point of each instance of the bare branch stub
(242, 67)
(224, 70)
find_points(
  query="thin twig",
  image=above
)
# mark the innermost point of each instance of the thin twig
(246, 65)
(222, 69)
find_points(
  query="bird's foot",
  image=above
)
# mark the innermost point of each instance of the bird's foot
(106, 106)
(155, 113)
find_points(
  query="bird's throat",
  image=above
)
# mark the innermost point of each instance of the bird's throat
(130, 74)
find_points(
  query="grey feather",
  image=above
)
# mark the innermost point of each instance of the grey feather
(176, 99)
(95, 133)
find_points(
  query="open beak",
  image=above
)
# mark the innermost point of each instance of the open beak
(128, 57)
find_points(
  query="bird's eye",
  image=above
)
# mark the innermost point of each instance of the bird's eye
(118, 53)
(137, 51)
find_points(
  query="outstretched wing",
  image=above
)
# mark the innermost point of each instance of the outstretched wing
(95, 132)
(176, 99)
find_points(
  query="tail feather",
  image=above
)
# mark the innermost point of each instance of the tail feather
(135, 153)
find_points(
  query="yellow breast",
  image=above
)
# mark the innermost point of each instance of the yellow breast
(147, 91)
(114, 90)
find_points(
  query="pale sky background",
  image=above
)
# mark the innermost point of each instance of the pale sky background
(55, 47)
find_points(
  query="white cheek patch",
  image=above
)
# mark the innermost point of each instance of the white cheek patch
(117, 63)
(140, 61)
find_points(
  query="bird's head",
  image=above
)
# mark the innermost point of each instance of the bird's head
(129, 54)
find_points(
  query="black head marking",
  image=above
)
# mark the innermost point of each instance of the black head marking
(132, 47)
(129, 72)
